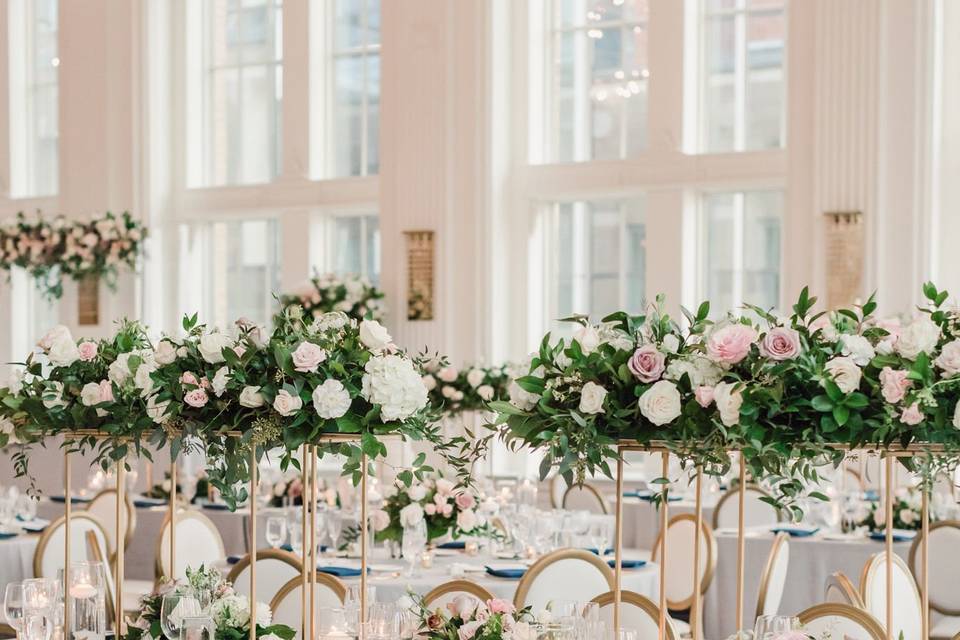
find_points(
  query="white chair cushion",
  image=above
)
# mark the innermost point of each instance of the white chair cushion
(198, 543)
(777, 578)
(271, 575)
(838, 627)
(287, 610)
(52, 559)
(907, 613)
(944, 567)
(565, 579)
(680, 559)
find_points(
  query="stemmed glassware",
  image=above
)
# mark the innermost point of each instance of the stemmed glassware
(13, 605)
(599, 533)
(772, 626)
(276, 532)
(413, 542)
(174, 609)
(198, 628)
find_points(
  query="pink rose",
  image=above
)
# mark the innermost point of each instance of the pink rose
(465, 500)
(469, 630)
(307, 357)
(912, 415)
(462, 606)
(647, 363)
(295, 490)
(894, 384)
(106, 391)
(730, 344)
(189, 378)
(88, 350)
(447, 510)
(499, 605)
(239, 350)
(780, 343)
(704, 395)
(430, 509)
(196, 398)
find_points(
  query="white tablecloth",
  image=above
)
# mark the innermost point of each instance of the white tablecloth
(812, 560)
(16, 558)
(641, 519)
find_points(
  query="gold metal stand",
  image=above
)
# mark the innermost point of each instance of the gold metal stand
(253, 541)
(68, 513)
(363, 544)
(889, 542)
(698, 523)
(173, 518)
(924, 559)
(664, 523)
(618, 546)
(120, 537)
(741, 541)
(305, 518)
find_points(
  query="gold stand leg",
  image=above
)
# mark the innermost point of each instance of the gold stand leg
(741, 542)
(889, 543)
(173, 520)
(363, 543)
(253, 542)
(664, 522)
(305, 507)
(618, 548)
(120, 533)
(68, 514)
(313, 541)
(698, 523)
(924, 558)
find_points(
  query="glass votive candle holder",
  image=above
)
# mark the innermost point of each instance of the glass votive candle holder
(471, 548)
(426, 560)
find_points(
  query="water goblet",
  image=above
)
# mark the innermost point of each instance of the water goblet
(174, 608)
(276, 532)
(413, 542)
(775, 625)
(25, 508)
(198, 628)
(13, 605)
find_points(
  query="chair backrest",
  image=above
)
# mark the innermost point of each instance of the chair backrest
(841, 621)
(943, 542)
(446, 592)
(275, 568)
(756, 512)
(841, 589)
(287, 606)
(774, 577)
(907, 610)
(585, 497)
(198, 542)
(680, 537)
(48, 556)
(104, 507)
(636, 612)
(568, 574)
(558, 488)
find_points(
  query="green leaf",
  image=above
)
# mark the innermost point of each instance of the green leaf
(822, 403)
(841, 414)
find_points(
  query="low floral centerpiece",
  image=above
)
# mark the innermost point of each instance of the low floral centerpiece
(447, 510)
(229, 611)
(907, 512)
(353, 295)
(470, 388)
(467, 618)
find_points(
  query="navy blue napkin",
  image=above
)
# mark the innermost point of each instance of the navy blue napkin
(216, 506)
(795, 532)
(453, 544)
(74, 499)
(897, 537)
(646, 495)
(340, 572)
(627, 564)
(149, 502)
(7, 535)
(594, 551)
(506, 573)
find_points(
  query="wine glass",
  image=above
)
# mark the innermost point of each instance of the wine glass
(413, 542)
(6, 514)
(13, 605)
(26, 508)
(334, 523)
(41, 595)
(351, 601)
(600, 536)
(198, 628)
(774, 625)
(296, 539)
(276, 532)
(332, 622)
(385, 621)
(175, 607)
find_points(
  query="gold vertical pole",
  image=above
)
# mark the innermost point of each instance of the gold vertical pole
(664, 497)
(253, 541)
(888, 498)
(618, 549)
(173, 519)
(313, 540)
(698, 523)
(68, 502)
(305, 500)
(924, 558)
(363, 543)
(121, 533)
(741, 541)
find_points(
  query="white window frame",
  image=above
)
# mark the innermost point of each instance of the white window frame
(323, 245)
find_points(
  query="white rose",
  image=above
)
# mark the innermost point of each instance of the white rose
(119, 371)
(6, 426)
(857, 348)
(63, 352)
(728, 401)
(467, 520)
(15, 382)
(591, 398)
(331, 399)
(411, 514)
(165, 353)
(660, 404)
(521, 398)
(670, 343)
(475, 377)
(448, 392)
(374, 335)
(211, 346)
(57, 333)
(845, 373)
(445, 487)
(90, 394)
(307, 357)
(447, 374)
(485, 392)
(949, 359)
(907, 516)
(587, 337)
(956, 416)
(286, 404)
(142, 379)
(220, 380)
(920, 336)
(417, 492)
(156, 411)
(429, 382)
(53, 395)
(251, 398)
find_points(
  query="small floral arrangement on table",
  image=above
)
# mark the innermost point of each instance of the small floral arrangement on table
(466, 389)
(467, 618)
(907, 512)
(446, 508)
(52, 249)
(287, 492)
(229, 610)
(353, 295)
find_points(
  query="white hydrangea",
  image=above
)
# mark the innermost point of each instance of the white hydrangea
(701, 371)
(392, 382)
(233, 611)
(521, 398)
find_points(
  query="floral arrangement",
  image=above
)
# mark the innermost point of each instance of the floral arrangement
(783, 390)
(446, 508)
(353, 295)
(467, 389)
(467, 618)
(907, 512)
(229, 611)
(229, 393)
(287, 492)
(52, 249)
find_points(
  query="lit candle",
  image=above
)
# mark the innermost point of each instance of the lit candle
(471, 548)
(80, 591)
(426, 559)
